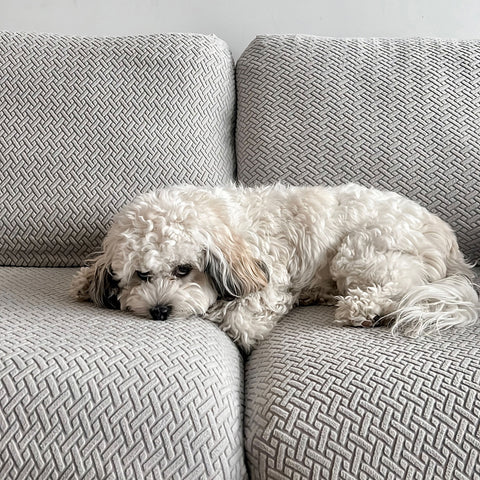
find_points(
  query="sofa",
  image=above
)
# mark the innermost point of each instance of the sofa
(88, 123)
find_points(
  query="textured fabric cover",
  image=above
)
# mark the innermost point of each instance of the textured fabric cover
(328, 402)
(402, 115)
(88, 123)
(99, 394)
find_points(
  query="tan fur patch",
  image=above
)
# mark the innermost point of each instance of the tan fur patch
(244, 266)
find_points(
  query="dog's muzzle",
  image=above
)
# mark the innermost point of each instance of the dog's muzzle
(160, 312)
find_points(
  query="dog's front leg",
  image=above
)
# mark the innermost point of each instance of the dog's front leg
(250, 319)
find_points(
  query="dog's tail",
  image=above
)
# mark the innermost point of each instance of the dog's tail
(445, 303)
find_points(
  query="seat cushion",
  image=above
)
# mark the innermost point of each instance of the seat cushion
(337, 402)
(92, 393)
(398, 114)
(86, 124)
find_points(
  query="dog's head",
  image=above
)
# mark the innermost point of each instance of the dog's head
(171, 254)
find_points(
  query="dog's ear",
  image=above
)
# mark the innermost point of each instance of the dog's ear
(233, 270)
(95, 282)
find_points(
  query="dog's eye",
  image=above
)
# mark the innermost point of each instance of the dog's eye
(182, 270)
(144, 276)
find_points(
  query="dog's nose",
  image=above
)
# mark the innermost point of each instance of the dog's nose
(160, 312)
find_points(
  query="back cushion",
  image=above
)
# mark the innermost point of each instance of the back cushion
(88, 123)
(401, 115)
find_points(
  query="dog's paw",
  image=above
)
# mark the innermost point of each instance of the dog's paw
(361, 308)
(80, 285)
(358, 321)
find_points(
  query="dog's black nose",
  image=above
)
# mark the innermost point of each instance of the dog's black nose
(160, 312)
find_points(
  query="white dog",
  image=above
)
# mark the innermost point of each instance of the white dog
(244, 257)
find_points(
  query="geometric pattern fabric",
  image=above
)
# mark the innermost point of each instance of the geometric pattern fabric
(94, 393)
(337, 402)
(398, 114)
(86, 124)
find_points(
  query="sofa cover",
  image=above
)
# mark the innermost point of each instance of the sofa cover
(86, 124)
(399, 114)
(97, 394)
(92, 393)
(328, 402)
(331, 402)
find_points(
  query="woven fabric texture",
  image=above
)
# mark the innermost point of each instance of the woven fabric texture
(328, 402)
(97, 394)
(88, 123)
(401, 115)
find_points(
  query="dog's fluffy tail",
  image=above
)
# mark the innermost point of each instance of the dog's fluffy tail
(428, 309)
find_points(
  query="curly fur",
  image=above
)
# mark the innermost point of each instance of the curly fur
(253, 254)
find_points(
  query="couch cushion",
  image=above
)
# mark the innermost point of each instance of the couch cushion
(91, 393)
(398, 114)
(88, 123)
(332, 402)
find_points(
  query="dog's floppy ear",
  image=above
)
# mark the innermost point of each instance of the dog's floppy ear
(96, 283)
(233, 270)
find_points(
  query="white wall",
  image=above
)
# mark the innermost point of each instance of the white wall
(238, 22)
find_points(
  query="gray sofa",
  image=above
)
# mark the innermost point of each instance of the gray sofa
(88, 123)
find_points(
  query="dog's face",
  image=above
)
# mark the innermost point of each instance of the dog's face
(162, 283)
(170, 254)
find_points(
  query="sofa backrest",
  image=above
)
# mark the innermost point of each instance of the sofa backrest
(88, 123)
(402, 115)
